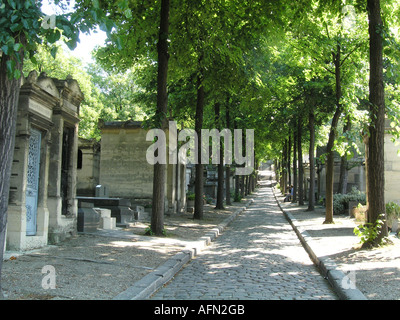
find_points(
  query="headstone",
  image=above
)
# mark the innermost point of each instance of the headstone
(106, 221)
(140, 214)
(101, 191)
(395, 225)
(88, 218)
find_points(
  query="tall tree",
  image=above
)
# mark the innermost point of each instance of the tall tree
(220, 166)
(300, 160)
(159, 177)
(376, 161)
(311, 128)
(227, 167)
(199, 185)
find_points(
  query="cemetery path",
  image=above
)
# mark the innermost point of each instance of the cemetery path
(258, 257)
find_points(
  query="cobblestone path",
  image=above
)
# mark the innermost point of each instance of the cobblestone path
(258, 257)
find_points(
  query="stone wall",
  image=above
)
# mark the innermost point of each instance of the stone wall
(88, 167)
(125, 172)
(392, 167)
(123, 166)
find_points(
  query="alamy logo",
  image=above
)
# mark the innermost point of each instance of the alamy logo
(349, 17)
(49, 22)
(49, 280)
(349, 280)
(189, 152)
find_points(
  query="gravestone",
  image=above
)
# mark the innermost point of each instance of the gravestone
(88, 218)
(106, 221)
(101, 191)
(140, 214)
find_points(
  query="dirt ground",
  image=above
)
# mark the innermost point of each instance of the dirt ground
(100, 266)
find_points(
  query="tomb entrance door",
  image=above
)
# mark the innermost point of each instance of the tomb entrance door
(32, 188)
(65, 169)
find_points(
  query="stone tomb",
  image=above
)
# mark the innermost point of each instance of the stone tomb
(42, 206)
(88, 167)
(126, 173)
(120, 208)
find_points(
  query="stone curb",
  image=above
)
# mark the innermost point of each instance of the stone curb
(340, 282)
(150, 283)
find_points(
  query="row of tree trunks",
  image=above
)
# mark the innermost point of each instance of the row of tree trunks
(311, 128)
(300, 161)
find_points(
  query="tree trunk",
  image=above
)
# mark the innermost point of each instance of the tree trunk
(295, 175)
(228, 185)
(289, 151)
(242, 187)
(330, 157)
(311, 195)
(342, 188)
(220, 185)
(376, 173)
(300, 161)
(198, 187)
(227, 167)
(159, 178)
(237, 188)
(284, 167)
(9, 95)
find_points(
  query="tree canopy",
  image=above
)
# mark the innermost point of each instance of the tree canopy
(297, 72)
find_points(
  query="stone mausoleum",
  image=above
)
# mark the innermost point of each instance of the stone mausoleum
(124, 170)
(42, 204)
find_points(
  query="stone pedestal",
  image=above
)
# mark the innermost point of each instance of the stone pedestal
(140, 214)
(106, 221)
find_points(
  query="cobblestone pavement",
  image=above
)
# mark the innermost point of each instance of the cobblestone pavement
(258, 257)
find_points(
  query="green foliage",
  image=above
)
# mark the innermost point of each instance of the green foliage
(392, 210)
(24, 26)
(60, 67)
(237, 197)
(369, 232)
(190, 196)
(341, 201)
(149, 232)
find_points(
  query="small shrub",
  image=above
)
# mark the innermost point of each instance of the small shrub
(370, 231)
(341, 201)
(190, 196)
(237, 197)
(392, 210)
(149, 232)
